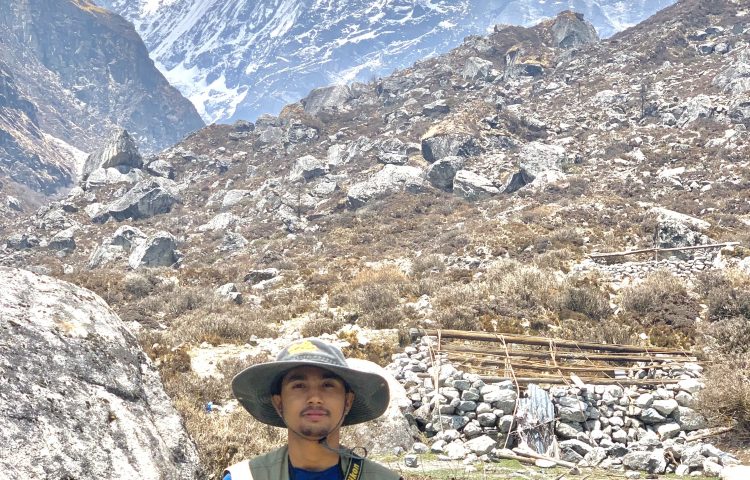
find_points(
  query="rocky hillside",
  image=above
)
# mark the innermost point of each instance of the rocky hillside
(238, 59)
(70, 74)
(467, 191)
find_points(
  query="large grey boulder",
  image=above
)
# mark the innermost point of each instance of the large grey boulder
(64, 240)
(473, 186)
(111, 176)
(570, 30)
(476, 69)
(539, 163)
(82, 400)
(307, 168)
(391, 429)
(648, 461)
(117, 247)
(695, 108)
(333, 97)
(391, 178)
(441, 173)
(146, 199)
(158, 250)
(119, 152)
(735, 79)
(676, 229)
(449, 145)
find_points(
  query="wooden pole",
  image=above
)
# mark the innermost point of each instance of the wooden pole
(658, 250)
(610, 357)
(541, 341)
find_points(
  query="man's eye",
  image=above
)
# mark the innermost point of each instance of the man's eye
(298, 385)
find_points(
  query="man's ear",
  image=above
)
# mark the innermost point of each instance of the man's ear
(348, 401)
(276, 400)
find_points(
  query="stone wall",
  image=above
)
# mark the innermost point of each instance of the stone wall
(615, 427)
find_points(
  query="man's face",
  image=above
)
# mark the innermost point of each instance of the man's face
(313, 401)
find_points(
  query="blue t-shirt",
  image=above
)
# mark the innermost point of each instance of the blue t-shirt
(333, 473)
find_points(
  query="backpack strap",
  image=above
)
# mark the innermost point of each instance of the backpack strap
(239, 471)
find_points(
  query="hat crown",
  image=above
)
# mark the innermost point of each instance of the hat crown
(314, 351)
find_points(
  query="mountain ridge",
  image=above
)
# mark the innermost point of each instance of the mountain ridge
(237, 60)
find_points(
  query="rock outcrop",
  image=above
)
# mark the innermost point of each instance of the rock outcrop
(82, 398)
(78, 73)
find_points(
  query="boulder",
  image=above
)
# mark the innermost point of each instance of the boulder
(222, 221)
(21, 241)
(473, 186)
(441, 173)
(257, 276)
(392, 151)
(678, 230)
(481, 445)
(308, 167)
(391, 429)
(158, 250)
(391, 178)
(119, 152)
(476, 69)
(81, 394)
(649, 461)
(112, 176)
(735, 472)
(438, 107)
(161, 168)
(146, 199)
(64, 240)
(689, 419)
(735, 79)
(333, 97)
(571, 410)
(233, 197)
(570, 30)
(229, 292)
(695, 108)
(449, 145)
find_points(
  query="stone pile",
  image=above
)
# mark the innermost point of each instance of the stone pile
(683, 268)
(608, 426)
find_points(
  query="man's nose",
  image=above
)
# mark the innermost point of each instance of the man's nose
(313, 395)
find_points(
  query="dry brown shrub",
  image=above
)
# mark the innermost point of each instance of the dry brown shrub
(726, 294)
(651, 294)
(223, 324)
(319, 324)
(587, 299)
(555, 260)
(427, 264)
(609, 330)
(523, 286)
(725, 400)
(374, 295)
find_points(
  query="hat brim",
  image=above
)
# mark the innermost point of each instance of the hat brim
(252, 387)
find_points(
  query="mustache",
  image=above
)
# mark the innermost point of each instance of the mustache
(315, 409)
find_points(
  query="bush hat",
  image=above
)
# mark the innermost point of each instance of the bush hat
(254, 386)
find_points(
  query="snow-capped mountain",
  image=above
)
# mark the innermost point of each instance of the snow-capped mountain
(240, 58)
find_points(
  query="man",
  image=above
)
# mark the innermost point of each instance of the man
(312, 392)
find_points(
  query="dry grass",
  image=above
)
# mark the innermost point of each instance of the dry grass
(650, 295)
(726, 398)
(374, 297)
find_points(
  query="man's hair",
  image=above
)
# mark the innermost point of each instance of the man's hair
(276, 385)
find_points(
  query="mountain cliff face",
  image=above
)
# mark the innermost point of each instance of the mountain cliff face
(72, 73)
(238, 59)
